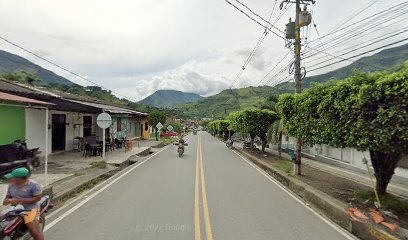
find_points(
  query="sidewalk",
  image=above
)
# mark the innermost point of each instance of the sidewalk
(69, 172)
(399, 188)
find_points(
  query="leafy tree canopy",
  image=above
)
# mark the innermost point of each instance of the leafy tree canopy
(366, 111)
(156, 117)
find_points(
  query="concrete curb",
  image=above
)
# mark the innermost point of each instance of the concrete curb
(59, 199)
(329, 206)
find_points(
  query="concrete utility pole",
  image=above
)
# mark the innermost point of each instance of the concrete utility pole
(298, 87)
(303, 18)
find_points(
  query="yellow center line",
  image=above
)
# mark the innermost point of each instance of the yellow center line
(204, 193)
(197, 233)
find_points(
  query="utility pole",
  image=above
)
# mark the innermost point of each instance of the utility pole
(298, 87)
(303, 18)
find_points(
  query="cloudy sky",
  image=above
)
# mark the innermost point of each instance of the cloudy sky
(136, 47)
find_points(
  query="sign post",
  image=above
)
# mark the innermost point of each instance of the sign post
(159, 127)
(104, 121)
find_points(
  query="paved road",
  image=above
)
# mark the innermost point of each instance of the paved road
(209, 193)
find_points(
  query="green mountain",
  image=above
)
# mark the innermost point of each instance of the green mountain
(230, 100)
(11, 63)
(384, 60)
(169, 98)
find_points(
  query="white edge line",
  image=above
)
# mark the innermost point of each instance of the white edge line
(339, 229)
(71, 210)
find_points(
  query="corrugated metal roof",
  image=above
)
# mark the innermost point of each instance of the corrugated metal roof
(107, 108)
(22, 89)
(15, 98)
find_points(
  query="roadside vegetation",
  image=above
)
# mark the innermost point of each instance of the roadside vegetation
(367, 111)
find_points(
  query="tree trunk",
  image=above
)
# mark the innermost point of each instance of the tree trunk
(155, 131)
(298, 153)
(280, 145)
(384, 165)
(264, 142)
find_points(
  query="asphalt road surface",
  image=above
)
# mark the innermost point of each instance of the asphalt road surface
(209, 193)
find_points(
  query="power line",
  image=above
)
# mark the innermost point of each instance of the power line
(267, 22)
(256, 21)
(360, 54)
(277, 63)
(348, 39)
(252, 54)
(378, 20)
(353, 33)
(58, 66)
(353, 15)
(248, 59)
(399, 32)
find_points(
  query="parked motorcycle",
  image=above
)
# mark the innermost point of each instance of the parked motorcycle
(229, 143)
(17, 155)
(247, 145)
(12, 224)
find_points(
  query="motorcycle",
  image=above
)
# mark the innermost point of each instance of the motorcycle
(180, 148)
(12, 224)
(17, 155)
(247, 145)
(229, 143)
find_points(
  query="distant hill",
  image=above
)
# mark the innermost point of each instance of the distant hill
(169, 98)
(228, 101)
(384, 60)
(237, 99)
(12, 63)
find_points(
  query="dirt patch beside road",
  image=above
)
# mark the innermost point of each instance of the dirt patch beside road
(343, 189)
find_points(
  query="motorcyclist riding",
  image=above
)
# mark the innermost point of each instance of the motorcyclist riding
(181, 143)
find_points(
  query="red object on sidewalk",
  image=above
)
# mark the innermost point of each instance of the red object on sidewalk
(172, 134)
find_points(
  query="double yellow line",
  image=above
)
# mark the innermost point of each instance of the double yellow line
(200, 172)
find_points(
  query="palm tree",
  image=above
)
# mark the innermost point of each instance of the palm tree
(275, 133)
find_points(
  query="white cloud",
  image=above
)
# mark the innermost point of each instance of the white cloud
(136, 47)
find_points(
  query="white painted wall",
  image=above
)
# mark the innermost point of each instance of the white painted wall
(348, 155)
(35, 128)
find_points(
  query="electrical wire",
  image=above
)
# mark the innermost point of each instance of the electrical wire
(252, 54)
(59, 66)
(267, 22)
(340, 41)
(362, 26)
(273, 68)
(360, 54)
(359, 46)
(254, 20)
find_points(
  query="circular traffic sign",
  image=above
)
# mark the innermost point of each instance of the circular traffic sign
(104, 120)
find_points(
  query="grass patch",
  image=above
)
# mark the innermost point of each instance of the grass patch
(388, 202)
(167, 141)
(284, 166)
(99, 164)
(77, 174)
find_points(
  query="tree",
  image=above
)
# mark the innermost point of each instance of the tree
(219, 127)
(177, 127)
(222, 127)
(365, 111)
(205, 123)
(22, 76)
(255, 122)
(155, 117)
(275, 133)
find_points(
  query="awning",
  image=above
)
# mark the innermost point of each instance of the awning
(14, 98)
(107, 108)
